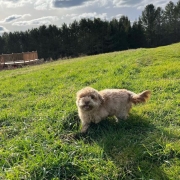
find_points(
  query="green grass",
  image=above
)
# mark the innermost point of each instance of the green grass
(38, 118)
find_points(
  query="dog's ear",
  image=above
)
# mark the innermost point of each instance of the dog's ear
(101, 98)
(77, 102)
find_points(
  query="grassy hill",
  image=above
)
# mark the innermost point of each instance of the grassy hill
(38, 118)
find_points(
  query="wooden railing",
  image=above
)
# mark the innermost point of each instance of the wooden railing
(15, 59)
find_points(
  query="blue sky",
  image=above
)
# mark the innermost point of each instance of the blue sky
(21, 15)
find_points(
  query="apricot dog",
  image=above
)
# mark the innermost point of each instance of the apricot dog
(94, 106)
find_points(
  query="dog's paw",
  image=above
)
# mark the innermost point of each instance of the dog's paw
(116, 119)
(123, 117)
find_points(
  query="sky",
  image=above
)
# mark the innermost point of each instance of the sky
(21, 15)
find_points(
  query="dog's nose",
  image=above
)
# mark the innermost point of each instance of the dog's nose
(86, 102)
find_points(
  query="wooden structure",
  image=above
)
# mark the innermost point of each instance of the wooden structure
(18, 59)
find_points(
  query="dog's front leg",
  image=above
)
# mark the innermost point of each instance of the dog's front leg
(85, 127)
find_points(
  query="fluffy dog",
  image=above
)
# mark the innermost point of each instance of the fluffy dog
(94, 106)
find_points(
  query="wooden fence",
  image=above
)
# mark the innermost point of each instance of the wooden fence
(16, 59)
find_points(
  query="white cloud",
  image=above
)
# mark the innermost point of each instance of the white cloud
(89, 16)
(14, 3)
(102, 2)
(126, 3)
(42, 4)
(13, 18)
(118, 16)
(70, 3)
(161, 3)
(3, 29)
(139, 4)
(40, 21)
(66, 4)
(53, 4)
(156, 3)
(68, 16)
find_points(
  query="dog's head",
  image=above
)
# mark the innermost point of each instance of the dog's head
(88, 99)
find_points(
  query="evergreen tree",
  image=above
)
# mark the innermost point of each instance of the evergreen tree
(5, 38)
(149, 23)
(159, 33)
(85, 39)
(177, 15)
(98, 36)
(34, 41)
(170, 22)
(54, 37)
(137, 37)
(2, 44)
(65, 41)
(124, 33)
(74, 35)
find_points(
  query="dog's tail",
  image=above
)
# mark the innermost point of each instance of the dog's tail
(141, 97)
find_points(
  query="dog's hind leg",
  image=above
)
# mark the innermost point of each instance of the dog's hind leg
(123, 114)
(124, 111)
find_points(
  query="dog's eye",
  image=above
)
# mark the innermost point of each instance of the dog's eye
(92, 97)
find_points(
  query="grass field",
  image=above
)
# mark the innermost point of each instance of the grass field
(38, 118)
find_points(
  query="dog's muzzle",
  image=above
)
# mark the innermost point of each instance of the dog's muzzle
(86, 107)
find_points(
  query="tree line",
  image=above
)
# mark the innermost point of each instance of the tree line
(155, 27)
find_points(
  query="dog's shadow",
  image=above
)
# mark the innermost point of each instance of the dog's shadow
(133, 145)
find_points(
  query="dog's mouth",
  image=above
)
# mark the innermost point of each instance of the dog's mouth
(87, 107)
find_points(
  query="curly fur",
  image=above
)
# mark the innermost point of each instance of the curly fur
(94, 106)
